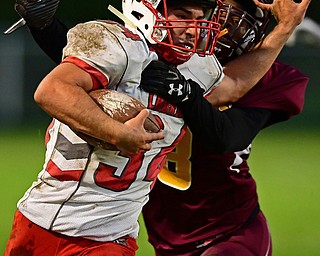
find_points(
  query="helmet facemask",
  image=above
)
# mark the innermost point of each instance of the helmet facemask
(158, 28)
(245, 31)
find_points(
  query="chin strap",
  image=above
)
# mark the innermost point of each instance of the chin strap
(170, 55)
(121, 16)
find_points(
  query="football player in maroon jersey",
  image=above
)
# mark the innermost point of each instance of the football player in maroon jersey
(217, 211)
(221, 201)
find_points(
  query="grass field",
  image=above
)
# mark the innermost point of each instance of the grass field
(284, 163)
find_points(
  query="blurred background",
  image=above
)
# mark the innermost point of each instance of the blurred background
(23, 65)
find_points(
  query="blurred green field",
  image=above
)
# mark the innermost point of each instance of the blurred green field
(284, 163)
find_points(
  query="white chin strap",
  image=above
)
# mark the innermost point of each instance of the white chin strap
(122, 17)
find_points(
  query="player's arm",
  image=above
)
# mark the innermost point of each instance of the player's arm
(222, 131)
(242, 73)
(49, 32)
(229, 130)
(52, 39)
(63, 94)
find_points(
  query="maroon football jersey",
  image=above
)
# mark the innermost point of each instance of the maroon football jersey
(222, 194)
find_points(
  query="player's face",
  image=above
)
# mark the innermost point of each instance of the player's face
(233, 22)
(181, 34)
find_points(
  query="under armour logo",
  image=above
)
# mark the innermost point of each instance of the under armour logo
(177, 90)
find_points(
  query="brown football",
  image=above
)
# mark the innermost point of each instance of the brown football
(121, 107)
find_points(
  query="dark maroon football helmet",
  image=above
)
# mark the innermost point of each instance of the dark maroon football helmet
(246, 27)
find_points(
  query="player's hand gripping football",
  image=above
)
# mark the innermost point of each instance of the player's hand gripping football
(38, 14)
(137, 138)
(166, 81)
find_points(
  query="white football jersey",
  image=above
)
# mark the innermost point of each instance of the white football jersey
(90, 192)
(206, 71)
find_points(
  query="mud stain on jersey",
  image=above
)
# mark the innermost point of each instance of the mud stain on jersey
(86, 39)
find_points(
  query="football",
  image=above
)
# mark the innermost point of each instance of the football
(121, 107)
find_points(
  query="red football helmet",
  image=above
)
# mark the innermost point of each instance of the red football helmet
(151, 18)
(246, 27)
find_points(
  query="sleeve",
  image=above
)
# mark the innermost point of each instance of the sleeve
(229, 130)
(206, 71)
(282, 88)
(52, 39)
(95, 47)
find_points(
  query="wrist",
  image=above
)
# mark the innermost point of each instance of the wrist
(278, 37)
(195, 94)
(285, 28)
(40, 26)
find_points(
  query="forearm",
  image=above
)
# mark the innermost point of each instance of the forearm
(225, 131)
(52, 39)
(63, 94)
(47, 31)
(244, 72)
(249, 68)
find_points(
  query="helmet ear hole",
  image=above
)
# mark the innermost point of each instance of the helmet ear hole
(137, 15)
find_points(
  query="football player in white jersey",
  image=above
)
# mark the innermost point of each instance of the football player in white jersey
(87, 200)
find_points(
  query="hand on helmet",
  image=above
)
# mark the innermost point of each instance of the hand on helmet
(166, 81)
(38, 14)
(288, 12)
